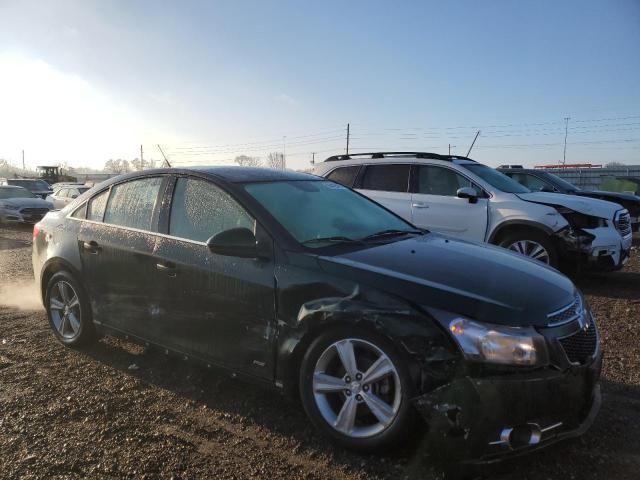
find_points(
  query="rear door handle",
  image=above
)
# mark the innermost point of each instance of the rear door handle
(168, 267)
(91, 246)
(419, 205)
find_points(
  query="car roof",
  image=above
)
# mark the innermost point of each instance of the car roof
(254, 174)
(233, 174)
(12, 187)
(392, 155)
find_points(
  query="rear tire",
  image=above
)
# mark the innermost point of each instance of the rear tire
(69, 310)
(366, 406)
(533, 244)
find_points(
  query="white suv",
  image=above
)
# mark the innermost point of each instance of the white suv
(466, 199)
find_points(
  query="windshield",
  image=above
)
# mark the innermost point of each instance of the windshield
(311, 210)
(15, 192)
(495, 178)
(562, 183)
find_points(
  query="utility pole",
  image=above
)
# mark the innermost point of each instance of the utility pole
(473, 143)
(449, 149)
(566, 130)
(284, 151)
(141, 157)
(23, 167)
(348, 138)
(313, 158)
(164, 156)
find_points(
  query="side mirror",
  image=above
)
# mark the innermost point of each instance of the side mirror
(75, 195)
(547, 188)
(235, 242)
(469, 193)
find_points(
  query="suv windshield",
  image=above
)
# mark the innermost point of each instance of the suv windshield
(15, 192)
(318, 212)
(495, 178)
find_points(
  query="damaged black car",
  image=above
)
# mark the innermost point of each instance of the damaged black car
(301, 283)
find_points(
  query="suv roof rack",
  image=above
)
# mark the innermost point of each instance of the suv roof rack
(433, 156)
(512, 166)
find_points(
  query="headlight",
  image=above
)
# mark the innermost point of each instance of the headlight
(10, 207)
(581, 220)
(499, 344)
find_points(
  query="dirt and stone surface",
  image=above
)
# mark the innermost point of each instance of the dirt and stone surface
(117, 411)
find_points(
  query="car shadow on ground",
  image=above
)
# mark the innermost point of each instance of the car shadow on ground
(11, 243)
(622, 284)
(285, 417)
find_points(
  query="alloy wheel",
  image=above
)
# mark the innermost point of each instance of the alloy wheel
(64, 307)
(356, 388)
(530, 249)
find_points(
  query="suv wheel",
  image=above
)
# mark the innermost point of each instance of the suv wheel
(356, 389)
(68, 310)
(534, 245)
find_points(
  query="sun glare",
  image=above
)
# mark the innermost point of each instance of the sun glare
(57, 116)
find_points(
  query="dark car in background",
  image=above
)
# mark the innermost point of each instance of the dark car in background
(298, 282)
(39, 188)
(19, 205)
(542, 181)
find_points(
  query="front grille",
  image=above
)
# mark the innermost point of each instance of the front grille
(566, 314)
(581, 347)
(623, 223)
(34, 211)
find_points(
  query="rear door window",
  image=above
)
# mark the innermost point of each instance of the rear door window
(387, 178)
(344, 175)
(200, 209)
(131, 204)
(95, 208)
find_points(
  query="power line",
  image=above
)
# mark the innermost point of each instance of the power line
(256, 143)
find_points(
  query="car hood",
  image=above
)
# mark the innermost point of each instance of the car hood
(27, 202)
(586, 205)
(614, 196)
(478, 281)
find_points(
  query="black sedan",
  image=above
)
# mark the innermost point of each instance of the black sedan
(540, 180)
(300, 283)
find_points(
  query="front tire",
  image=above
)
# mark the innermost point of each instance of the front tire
(355, 388)
(69, 310)
(532, 244)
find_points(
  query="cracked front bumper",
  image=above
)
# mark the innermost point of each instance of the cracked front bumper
(597, 248)
(467, 418)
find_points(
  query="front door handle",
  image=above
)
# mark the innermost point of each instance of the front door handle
(167, 267)
(419, 205)
(91, 246)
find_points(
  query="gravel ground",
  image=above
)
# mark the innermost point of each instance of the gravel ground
(118, 411)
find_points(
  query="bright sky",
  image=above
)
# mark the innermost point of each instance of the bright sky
(84, 81)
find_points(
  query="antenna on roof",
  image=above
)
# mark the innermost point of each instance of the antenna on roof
(474, 142)
(164, 156)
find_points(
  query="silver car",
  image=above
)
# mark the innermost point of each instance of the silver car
(19, 205)
(65, 194)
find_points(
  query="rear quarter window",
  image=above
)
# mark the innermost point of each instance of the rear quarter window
(96, 206)
(344, 175)
(80, 212)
